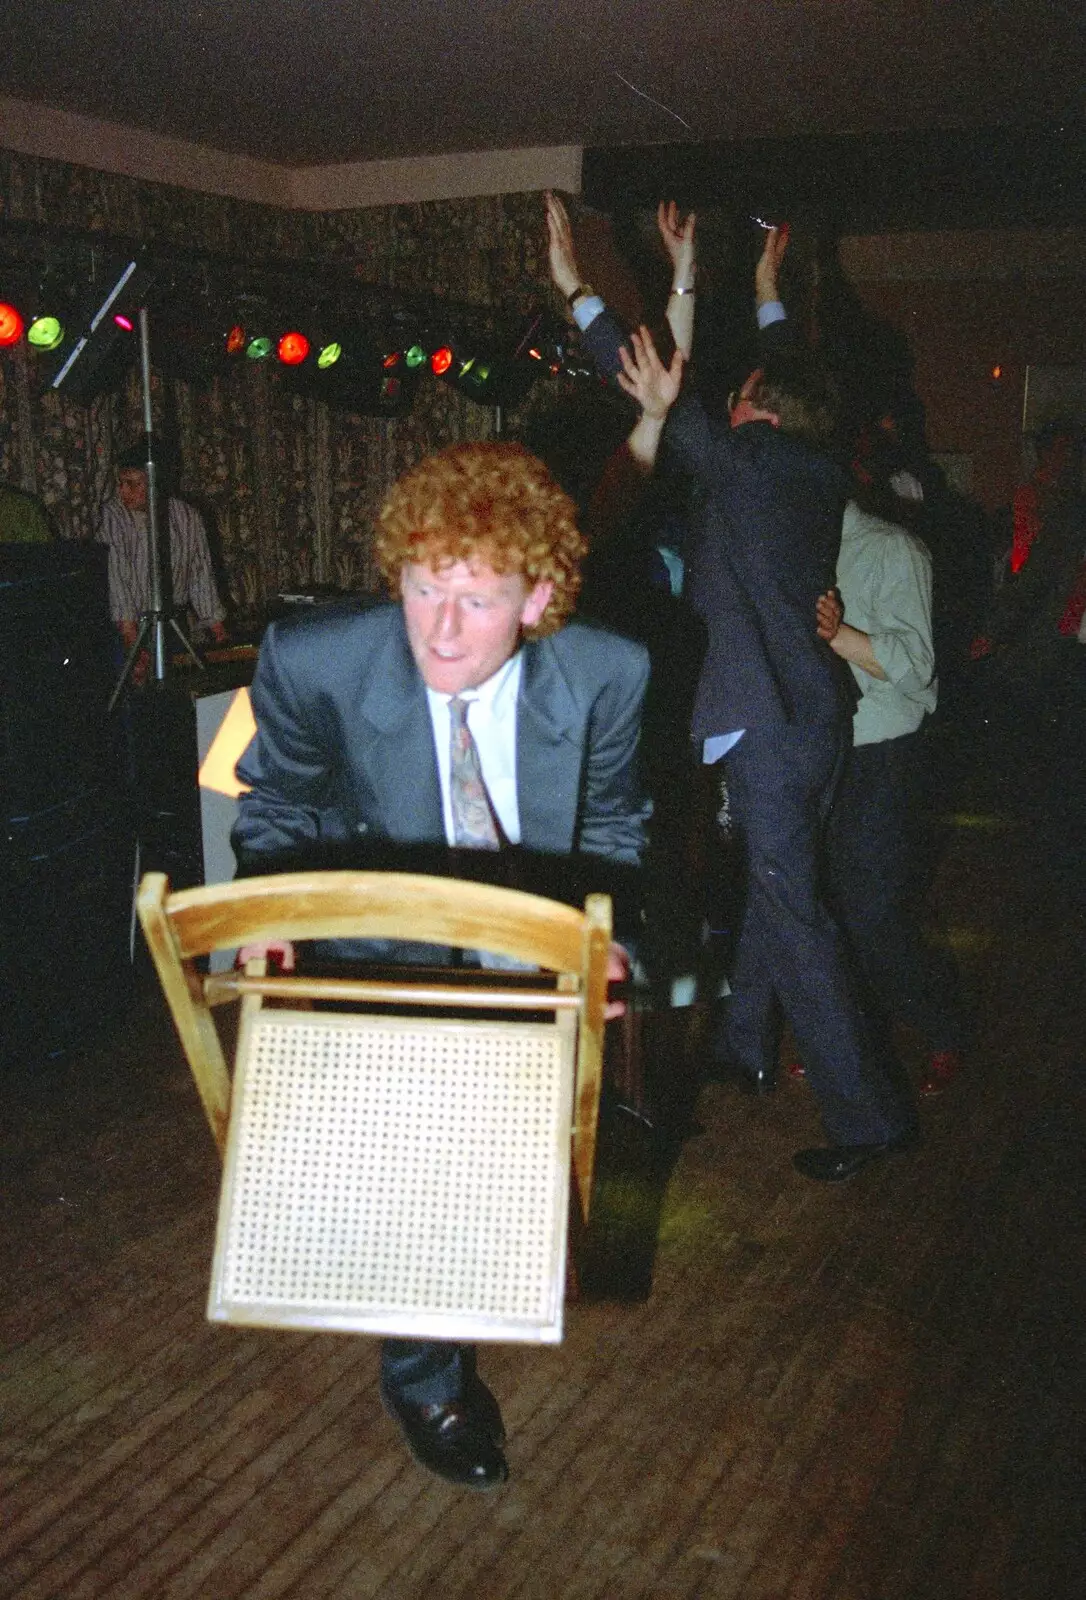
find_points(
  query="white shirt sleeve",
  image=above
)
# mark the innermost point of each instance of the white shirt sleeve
(587, 310)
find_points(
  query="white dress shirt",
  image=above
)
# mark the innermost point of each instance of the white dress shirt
(492, 719)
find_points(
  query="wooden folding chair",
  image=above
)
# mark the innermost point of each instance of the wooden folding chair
(400, 1162)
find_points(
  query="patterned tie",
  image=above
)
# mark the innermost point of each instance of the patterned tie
(474, 823)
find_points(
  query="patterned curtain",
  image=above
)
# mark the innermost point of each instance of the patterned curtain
(288, 486)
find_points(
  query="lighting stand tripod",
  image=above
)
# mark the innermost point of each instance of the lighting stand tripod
(154, 622)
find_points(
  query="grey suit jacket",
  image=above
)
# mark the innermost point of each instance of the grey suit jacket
(344, 750)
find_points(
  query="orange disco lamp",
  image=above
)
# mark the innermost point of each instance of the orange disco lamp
(11, 325)
(292, 349)
(236, 340)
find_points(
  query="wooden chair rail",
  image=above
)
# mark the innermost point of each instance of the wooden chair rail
(298, 905)
(221, 988)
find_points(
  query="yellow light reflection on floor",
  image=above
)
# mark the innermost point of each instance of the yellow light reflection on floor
(982, 821)
(962, 939)
(229, 744)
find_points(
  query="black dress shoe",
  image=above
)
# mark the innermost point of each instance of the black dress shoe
(459, 1441)
(836, 1163)
(485, 1409)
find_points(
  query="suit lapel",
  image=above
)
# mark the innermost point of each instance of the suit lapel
(393, 747)
(549, 752)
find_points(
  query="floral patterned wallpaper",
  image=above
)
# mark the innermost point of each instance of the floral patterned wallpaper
(288, 485)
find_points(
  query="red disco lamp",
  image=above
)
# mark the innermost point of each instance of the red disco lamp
(11, 325)
(293, 349)
(441, 360)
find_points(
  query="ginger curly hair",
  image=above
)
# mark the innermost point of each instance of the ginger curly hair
(490, 502)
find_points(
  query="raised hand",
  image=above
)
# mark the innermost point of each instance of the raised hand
(565, 273)
(677, 234)
(767, 272)
(645, 378)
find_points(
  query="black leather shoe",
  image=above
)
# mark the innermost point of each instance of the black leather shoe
(836, 1163)
(460, 1441)
(485, 1409)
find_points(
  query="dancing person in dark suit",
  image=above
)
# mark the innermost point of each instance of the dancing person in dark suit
(773, 701)
(363, 718)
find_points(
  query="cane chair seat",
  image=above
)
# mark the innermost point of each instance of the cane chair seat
(402, 1166)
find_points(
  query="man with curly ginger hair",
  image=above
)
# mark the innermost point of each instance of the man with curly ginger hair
(354, 743)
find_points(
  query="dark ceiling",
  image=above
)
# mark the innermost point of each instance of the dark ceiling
(317, 81)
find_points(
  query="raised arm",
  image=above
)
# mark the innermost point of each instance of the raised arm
(776, 331)
(677, 234)
(767, 272)
(635, 366)
(561, 254)
(655, 388)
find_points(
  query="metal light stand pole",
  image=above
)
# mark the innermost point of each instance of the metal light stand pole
(153, 623)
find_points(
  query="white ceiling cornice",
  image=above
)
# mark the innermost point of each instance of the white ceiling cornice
(35, 130)
(413, 179)
(111, 147)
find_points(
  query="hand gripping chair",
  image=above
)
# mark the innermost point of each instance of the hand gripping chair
(402, 1167)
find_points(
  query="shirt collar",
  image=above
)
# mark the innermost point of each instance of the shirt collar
(496, 693)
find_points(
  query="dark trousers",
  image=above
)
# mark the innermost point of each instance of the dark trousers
(875, 877)
(425, 1372)
(789, 955)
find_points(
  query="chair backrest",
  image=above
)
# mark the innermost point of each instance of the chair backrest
(453, 1101)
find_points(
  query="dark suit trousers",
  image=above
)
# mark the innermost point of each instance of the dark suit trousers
(425, 1372)
(873, 851)
(789, 955)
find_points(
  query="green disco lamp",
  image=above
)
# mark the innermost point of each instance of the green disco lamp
(45, 333)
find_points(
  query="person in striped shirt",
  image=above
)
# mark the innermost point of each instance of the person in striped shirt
(123, 529)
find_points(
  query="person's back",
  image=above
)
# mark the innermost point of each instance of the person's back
(766, 549)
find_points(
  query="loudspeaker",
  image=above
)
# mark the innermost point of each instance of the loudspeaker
(67, 845)
(65, 909)
(57, 664)
(185, 817)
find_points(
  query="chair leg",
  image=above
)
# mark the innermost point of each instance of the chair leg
(132, 914)
(624, 1063)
